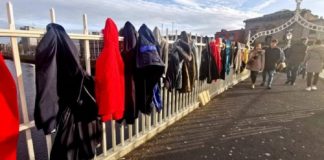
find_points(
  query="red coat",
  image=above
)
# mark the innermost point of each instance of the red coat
(109, 77)
(215, 47)
(9, 119)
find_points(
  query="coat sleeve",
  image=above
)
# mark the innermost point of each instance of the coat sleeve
(46, 106)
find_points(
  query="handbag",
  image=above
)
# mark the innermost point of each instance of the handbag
(281, 66)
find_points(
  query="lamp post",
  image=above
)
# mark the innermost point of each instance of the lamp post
(298, 4)
(289, 36)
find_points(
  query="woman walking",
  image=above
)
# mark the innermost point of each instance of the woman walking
(314, 61)
(256, 62)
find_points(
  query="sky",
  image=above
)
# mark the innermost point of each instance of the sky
(202, 17)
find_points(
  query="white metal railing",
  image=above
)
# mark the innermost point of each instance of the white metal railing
(121, 139)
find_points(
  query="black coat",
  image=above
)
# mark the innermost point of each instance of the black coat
(272, 57)
(129, 57)
(150, 68)
(65, 97)
(295, 54)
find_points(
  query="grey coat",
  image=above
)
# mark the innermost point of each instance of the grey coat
(256, 61)
(164, 47)
(315, 58)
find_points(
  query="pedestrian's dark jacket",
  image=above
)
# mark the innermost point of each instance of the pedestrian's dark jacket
(272, 58)
(65, 97)
(129, 57)
(296, 54)
(150, 68)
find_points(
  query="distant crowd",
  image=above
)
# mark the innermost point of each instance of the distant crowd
(298, 59)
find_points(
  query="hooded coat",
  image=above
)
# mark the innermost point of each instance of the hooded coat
(129, 56)
(110, 76)
(163, 46)
(150, 68)
(65, 97)
(189, 68)
(181, 73)
(9, 120)
(216, 53)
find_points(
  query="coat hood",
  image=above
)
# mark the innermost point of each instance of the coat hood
(130, 36)
(184, 36)
(157, 35)
(148, 54)
(110, 33)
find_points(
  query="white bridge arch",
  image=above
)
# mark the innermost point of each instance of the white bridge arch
(297, 18)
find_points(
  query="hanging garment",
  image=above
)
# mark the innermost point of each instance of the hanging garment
(228, 51)
(197, 57)
(129, 57)
(245, 58)
(150, 69)
(189, 68)
(163, 46)
(234, 53)
(216, 56)
(224, 60)
(65, 97)
(110, 76)
(9, 120)
(181, 73)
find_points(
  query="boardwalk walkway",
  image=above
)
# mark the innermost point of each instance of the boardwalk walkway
(285, 123)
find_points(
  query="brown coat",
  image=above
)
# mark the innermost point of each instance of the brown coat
(256, 61)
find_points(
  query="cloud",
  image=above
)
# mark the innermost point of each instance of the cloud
(190, 15)
(263, 5)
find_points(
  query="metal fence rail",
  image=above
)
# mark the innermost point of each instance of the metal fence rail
(118, 139)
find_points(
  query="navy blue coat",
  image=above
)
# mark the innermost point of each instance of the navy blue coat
(150, 68)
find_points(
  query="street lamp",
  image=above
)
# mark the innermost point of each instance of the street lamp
(289, 37)
(298, 4)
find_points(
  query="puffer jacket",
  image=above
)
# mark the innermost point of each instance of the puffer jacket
(315, 58)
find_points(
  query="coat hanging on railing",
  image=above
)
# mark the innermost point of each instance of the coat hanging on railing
(163, 47)
(65, 97)
(216, 55)
(228, 57)
(210, 67)
(110, 76)
(129, 51)
(149, 70)
(9, 120)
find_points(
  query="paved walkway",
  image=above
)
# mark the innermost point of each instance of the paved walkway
(285, 123)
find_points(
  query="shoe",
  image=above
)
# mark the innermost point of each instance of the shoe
(292, 84)
(269, 87)
(287, 82)
(314, 88)
(253, 86)
(309, 89)
(262, 84)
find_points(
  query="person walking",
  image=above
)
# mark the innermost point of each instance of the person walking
(314, 61)
(255, 63)
(272, 58)
(294, 58)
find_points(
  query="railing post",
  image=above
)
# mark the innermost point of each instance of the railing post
(86, 45)
(52, 15)
(113, 134)
(20, 82)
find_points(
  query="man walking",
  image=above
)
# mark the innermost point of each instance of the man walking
(294, 58)
(272, 58)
